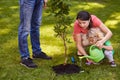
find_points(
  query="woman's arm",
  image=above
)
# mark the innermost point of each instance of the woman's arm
(79, 45)
(108, 35)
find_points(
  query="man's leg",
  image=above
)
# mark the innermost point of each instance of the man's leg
(26, 10)
(34, 34)
(36, 22)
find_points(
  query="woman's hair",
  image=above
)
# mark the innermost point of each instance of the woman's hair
(84, 15)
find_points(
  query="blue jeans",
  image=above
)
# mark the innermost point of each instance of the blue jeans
(30, 20)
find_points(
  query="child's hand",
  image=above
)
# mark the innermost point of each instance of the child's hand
(100, 47)
(99, 44)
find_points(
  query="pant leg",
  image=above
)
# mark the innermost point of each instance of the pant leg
(26, 10)
(36, 21)
(109, 55)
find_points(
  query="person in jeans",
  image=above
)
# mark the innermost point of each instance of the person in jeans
(30, 20)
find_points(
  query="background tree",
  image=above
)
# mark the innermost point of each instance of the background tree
(60, 9)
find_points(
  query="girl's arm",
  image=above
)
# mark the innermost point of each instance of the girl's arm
(107, 47)
(79, 45)
(108, 35)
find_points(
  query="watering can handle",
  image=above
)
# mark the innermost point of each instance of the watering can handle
(92, 47)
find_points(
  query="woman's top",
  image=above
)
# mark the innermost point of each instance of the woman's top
(78, 29)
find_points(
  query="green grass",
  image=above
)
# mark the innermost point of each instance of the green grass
(10, 69)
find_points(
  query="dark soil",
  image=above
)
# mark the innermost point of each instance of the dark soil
(66, 69)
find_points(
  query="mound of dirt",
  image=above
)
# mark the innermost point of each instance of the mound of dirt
(66, 69)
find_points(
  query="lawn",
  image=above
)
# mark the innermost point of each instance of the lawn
(10, 69)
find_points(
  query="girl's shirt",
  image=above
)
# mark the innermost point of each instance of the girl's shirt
(78, 29)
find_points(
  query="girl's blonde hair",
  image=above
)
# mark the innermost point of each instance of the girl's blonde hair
(95, 34)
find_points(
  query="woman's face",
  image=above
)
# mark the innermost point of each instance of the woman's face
(84, 23)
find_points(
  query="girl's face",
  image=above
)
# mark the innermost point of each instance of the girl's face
(92, 40)
(84, 23)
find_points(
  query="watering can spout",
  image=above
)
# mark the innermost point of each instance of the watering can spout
(96, 54)
(90, 57)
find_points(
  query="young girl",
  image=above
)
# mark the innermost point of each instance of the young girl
(85, 21)
(94, 35)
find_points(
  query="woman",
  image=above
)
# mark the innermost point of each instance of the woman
(85, 21)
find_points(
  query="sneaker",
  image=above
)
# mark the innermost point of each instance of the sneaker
(41, 55)
(89, 63)
(112, 64)
(27, 62)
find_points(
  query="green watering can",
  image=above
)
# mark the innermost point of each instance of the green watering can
(96, 54)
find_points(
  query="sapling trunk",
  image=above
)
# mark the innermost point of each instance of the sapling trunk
(65, 48)
(60, 9)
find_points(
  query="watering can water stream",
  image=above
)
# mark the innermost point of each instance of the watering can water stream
(96, 54)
